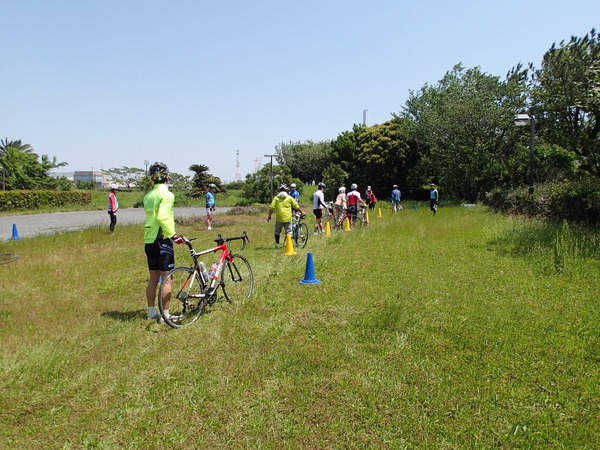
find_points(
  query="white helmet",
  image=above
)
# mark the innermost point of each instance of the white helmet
(342, 189)
(354, 186)
(293, 185)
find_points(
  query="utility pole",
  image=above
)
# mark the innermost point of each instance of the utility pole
(271, 156)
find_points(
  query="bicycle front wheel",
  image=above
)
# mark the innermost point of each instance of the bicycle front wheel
(301, 236)
(181, 294)
(237, 280)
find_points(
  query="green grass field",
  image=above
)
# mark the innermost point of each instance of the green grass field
(464, 330)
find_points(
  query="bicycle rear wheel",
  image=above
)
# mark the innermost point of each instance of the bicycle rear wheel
(183, 299)
(237, 279)
(301, 235)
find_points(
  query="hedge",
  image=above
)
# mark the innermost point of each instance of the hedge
(577, 201)
(17, 200)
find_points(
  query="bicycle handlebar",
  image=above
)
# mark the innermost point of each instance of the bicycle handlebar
(221, 240)
(244, 237)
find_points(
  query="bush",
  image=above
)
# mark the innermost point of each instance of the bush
(577, 201)
(18, 200)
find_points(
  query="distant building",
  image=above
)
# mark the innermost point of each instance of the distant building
(100, 179)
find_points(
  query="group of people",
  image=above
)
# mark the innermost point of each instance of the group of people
(160, 234)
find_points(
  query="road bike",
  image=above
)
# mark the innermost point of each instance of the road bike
(358, 220)
(185, 291)
(299, 230)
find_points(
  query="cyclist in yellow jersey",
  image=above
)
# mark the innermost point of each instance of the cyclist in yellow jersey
(159, 234)
(282, 204)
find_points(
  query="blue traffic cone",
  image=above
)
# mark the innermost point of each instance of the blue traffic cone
(15, 234)
(309, 273)
(415, 207)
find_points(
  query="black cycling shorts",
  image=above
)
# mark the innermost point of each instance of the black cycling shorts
(160, 255)
(318, 213)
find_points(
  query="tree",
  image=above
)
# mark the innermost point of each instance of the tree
(464, 126)
(258, 185)
(127, 177)
(566, 98)
(305, 160)
(201, 179)
(23, 168)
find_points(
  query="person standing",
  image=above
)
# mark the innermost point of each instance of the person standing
(283, 204)
(318, 205)
(396, 197)
(353, 199)
(433, 198)
(294, 192)
(159, 234)
(209, 198)
(371, 199)
(340, 204)
(113, 206)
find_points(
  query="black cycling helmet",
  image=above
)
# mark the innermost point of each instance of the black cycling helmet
(283, 187)
(158, 172)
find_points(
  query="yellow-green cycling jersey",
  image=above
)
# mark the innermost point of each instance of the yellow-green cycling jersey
(160, 222)
(283, 205)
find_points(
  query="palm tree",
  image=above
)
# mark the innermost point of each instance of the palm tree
(5, 144)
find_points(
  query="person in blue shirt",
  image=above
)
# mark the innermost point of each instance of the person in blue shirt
(294, 192)
(210, 204)
(396, 196)
(433, 198)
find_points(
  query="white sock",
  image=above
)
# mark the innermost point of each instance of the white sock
(166, 311)
(151, 311)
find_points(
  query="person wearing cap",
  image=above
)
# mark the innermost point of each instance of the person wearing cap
(209, 198)
(113, 206)
(294, 192)
(283, 204)
(318, 205)
(396, 197)
(433, 198)
(159, 235)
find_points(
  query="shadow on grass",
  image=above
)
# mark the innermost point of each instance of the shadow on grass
(127, 316)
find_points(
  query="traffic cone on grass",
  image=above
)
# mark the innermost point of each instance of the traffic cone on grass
(15, 233)
(289, 246)
(378, 212)
(327, 229)
(309, 272)
(347, 224)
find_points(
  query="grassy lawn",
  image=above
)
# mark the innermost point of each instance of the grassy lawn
(464, 330)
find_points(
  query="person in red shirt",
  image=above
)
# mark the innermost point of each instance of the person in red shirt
(113, 206)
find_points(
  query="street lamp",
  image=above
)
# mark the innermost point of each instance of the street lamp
(146, 162)
(3, 178)
(522, 120)
(271, 156)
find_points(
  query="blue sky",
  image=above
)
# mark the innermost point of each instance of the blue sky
(111, 83)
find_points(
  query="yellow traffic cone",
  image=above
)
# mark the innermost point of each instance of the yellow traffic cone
(289, 246)
(378, 212)
(367, 216)
(327, 229)
(346, 224)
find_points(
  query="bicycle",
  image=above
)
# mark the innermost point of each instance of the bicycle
(299, 230)
(192, 288)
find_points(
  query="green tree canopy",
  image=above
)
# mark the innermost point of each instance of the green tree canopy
(306, 160)
(24, 169)
(566, 98)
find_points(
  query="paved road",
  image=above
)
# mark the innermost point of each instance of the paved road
(29, 225)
